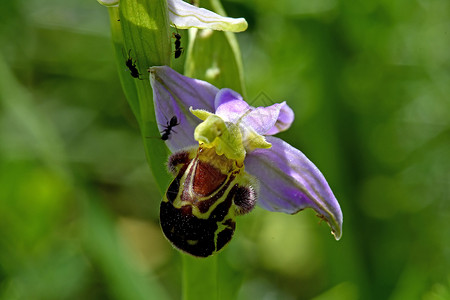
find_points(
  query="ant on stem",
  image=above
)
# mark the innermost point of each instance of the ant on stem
(178, 49)
(131, 65)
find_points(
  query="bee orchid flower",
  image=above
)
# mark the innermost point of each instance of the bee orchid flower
(225, 160)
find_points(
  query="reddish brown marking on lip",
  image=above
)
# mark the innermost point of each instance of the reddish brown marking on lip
(207, 179)
(186, 210)
(204, 205)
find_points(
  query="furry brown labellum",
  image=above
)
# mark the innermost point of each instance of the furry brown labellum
(198, 211)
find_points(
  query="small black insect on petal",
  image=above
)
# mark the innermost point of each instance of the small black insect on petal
(168, 128)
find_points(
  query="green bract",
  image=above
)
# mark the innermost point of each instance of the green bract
(142, 37)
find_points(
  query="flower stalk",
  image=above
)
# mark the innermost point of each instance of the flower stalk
(200, 278)
(141, 38)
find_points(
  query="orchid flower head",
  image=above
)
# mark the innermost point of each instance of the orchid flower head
(224, 141)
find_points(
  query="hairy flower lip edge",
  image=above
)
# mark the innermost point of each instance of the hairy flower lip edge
(329, 210)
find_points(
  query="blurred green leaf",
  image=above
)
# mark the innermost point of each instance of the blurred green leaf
(101, 240)
(368, 82)
(199, 278)
(214, 56)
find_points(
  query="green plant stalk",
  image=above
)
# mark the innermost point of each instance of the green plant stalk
(215, 57)
(200, 278)
(140, 32)
(126, 80)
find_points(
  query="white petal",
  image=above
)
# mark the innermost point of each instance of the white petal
(109, 3)
(183, 16)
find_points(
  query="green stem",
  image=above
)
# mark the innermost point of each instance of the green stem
(200, 278)
(141, 36)
(215, 58)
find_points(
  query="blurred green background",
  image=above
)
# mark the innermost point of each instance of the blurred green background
(369, 82)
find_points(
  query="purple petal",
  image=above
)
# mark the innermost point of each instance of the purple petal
(180, 136)
(284, 121)
(262, 119)
(173, 94)
(290, 182)
(229, 105)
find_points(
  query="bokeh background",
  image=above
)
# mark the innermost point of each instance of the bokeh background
(369, 82)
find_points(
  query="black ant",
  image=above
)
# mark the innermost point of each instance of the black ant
(178, 49)
(131, 65)
(169, 128)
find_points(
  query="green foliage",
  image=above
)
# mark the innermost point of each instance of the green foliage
(214, 56)
(368, 82)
